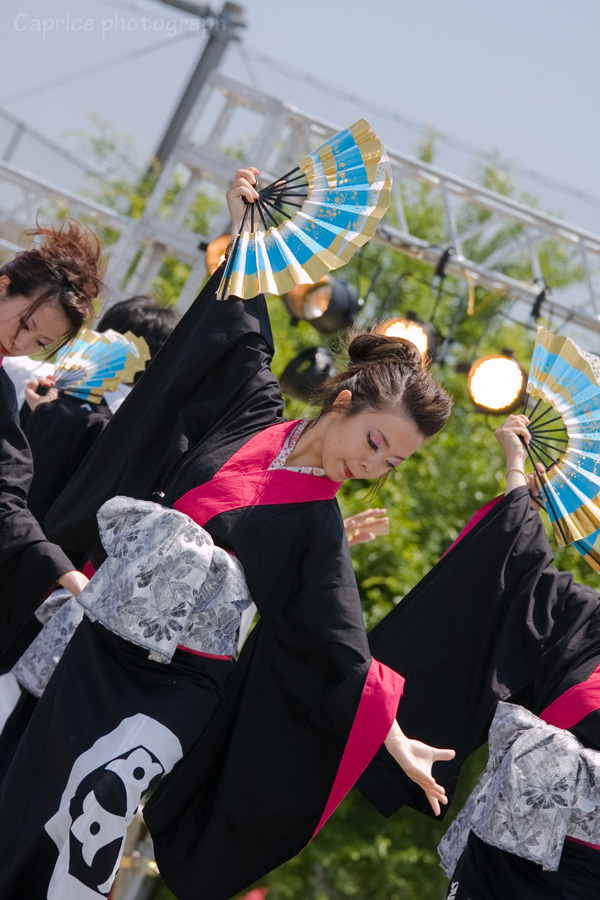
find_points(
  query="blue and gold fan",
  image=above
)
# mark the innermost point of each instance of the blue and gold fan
(97, 362)
(565, 437)
(312, 219)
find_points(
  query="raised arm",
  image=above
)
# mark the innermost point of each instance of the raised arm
(513, 438)
(213, 373)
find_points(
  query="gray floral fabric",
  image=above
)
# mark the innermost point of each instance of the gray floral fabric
(540, 785)
(164, 582)
(34, 668)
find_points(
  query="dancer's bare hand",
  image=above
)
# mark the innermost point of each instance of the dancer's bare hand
(366, 526)
(33, 398)
(243, 188)
(416, 760)
(74, 581)
(509, 437)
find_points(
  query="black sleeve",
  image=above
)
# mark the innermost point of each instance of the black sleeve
(472, 632)
(204, 377)
(60, 435)
(29, 563)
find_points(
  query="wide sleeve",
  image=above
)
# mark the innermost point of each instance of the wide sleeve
(306, 709)
(60, 435)
(29, 563)
(202, 381)
(471, 633)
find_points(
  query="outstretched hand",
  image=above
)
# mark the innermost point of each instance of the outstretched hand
(366, 526)
(416, 760)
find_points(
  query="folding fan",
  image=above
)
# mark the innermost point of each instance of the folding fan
(565, 430)
(312, 219)
(97, 362)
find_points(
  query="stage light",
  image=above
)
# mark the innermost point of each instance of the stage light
(423, 336)
(306, 372)
(497, 384)
(329, 305)
(215, 251)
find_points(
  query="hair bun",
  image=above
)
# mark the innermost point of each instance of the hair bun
(372, 347)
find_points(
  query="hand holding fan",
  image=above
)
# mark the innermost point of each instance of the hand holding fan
(312, 219)
(97, 362)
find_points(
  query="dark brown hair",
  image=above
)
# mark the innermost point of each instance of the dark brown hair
(64, 269)
(388, 374)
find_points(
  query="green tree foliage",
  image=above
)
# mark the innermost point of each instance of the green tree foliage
(359, 854)
(118, 181)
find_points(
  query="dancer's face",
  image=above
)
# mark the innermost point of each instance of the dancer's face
(368, 444)
(23, 333)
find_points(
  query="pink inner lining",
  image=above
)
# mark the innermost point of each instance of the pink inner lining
(374, 717)
(585, 843)
(576, 702)
(200, 653)
(479, 515)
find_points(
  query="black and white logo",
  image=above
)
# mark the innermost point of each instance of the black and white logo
(102, 795)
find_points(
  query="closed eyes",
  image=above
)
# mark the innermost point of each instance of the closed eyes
(374, 446)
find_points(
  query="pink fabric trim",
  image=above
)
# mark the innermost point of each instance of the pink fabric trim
(576, 702)
(88, 570)
(374, 717)
(473, 521)
(246, 480)
(199, 653)
(585, 843)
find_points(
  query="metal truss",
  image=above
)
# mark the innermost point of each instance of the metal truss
(24, 197)
(233, 124)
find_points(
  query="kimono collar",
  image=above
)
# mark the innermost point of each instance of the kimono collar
(246, 480)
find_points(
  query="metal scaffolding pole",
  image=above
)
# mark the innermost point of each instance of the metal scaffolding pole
(223, 27)
(483, 233)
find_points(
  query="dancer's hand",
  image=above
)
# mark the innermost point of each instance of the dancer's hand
(33, 398)
(243, 188)
(366, 526)
(73, 581)
(416, 760)
(509, 437)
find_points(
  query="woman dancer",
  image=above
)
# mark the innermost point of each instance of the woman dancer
(305, 708)
(513, 628)
(46, 295)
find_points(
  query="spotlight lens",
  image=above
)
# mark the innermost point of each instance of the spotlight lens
(496, 383)
(411, 331)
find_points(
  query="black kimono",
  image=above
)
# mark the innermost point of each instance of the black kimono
(304, 709)
(29, 564)
(60, 435)
(508, 627)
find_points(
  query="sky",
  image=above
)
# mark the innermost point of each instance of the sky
(519, 77)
